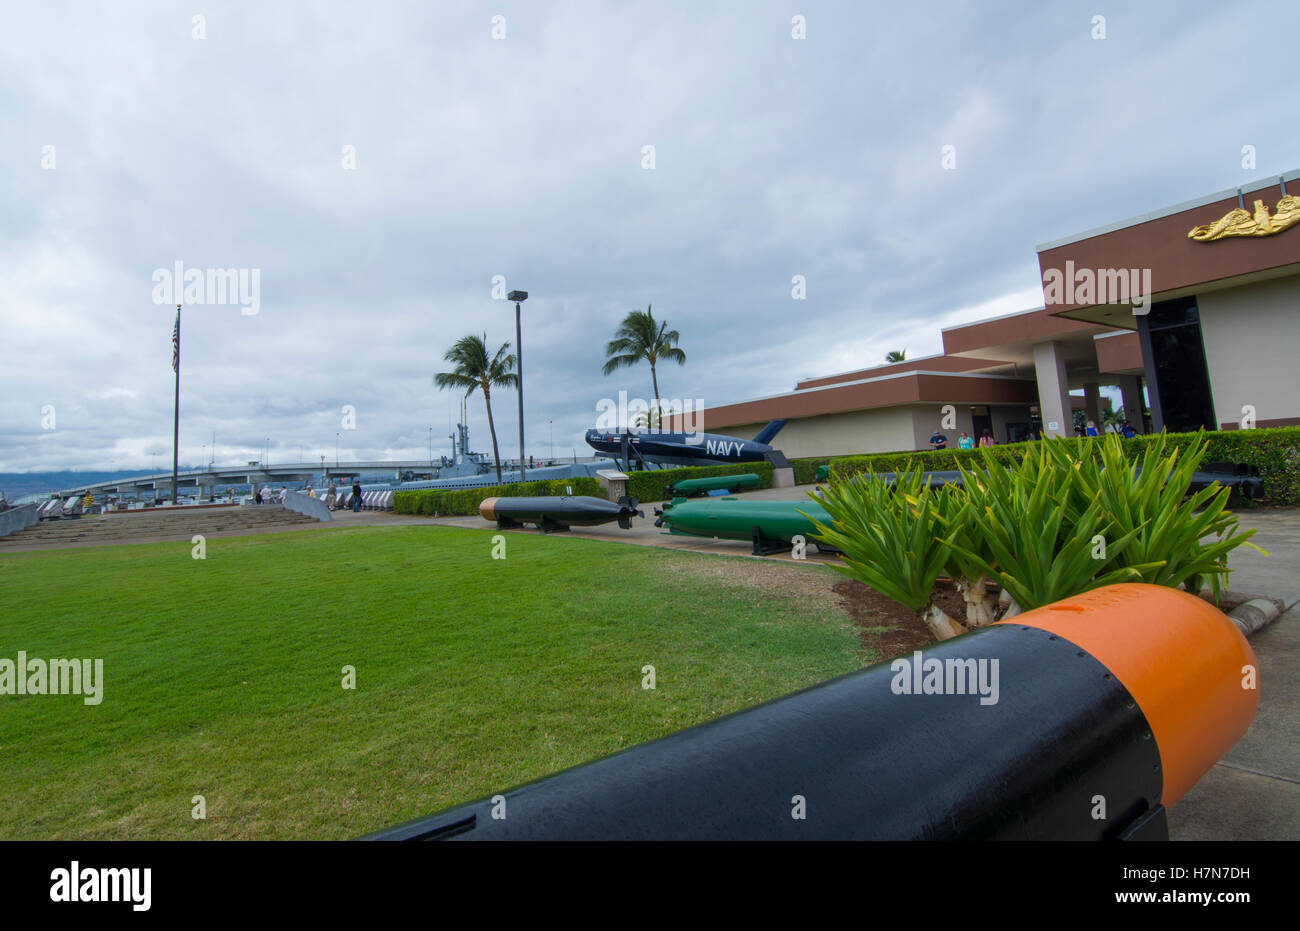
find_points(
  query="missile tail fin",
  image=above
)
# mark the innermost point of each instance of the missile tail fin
(772, 429)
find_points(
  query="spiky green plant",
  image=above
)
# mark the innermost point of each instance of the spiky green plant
(1150, 500)
(1043, 547)
(1072, 516)
(973, 574)
(887, 540)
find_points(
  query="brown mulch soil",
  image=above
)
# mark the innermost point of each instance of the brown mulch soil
(889, 628)
(892, 630)
(886, 627)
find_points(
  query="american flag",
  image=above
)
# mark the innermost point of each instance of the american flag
(176, 340)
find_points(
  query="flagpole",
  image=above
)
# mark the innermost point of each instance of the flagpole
(176, 416)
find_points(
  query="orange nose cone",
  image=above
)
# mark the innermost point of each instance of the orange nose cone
(487, 508)
(1185, 663)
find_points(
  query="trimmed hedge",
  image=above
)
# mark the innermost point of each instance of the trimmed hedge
(805, 470)
(463, 502)
(931, 460)
(652, 485)
(1275, 451)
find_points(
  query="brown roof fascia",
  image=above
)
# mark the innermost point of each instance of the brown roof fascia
(1037, 325)
(930, 363)
(907, 388)
(1119, 353)
(1161, 246)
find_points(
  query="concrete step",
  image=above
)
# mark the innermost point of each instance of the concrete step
(126, 526)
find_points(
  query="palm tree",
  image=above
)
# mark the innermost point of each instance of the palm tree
(475, 370)
(896, 355)
(639, 337)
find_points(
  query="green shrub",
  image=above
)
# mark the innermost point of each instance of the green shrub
(888, 538)
(463, 502)
(930, 460)
(1071, 515)
(644, 486)
(1150, 499)
(652, 485)
(1275, 451)
(805, 470)
(1039, 532)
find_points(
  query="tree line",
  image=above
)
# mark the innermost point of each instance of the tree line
(640, 337)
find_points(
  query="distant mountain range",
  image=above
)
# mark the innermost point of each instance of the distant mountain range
(16, 484)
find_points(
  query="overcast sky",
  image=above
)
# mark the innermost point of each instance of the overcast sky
(133, 136)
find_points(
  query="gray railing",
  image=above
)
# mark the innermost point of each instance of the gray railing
(306, 504)
(16, 519)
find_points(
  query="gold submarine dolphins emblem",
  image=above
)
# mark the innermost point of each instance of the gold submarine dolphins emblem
(1240, 222)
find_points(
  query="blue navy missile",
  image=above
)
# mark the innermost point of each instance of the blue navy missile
(687, 448)
(553, 514)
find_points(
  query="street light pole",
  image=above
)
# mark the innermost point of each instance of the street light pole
(519, 297)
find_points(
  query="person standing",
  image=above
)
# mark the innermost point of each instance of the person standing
(938, 440)
(1091, 429)
(356, 494)
(965, 441)
(987, 441)
(331, 497)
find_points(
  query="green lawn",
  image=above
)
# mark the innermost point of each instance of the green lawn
(223, 676)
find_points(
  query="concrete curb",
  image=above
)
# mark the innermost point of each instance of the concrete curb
(1256, 614)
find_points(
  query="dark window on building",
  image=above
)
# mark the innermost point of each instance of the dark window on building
(1177, 377)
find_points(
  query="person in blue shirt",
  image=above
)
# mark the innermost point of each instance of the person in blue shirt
(938, 440)
(1092, 429)
(1128, 431)
(965, 441)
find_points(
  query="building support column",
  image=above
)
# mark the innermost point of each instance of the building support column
(1092, 404)
(1130, 392)
(1053, 390)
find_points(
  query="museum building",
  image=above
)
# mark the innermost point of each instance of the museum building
(1192, 311)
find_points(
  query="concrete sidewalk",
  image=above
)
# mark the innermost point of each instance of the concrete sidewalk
(1253, 793)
